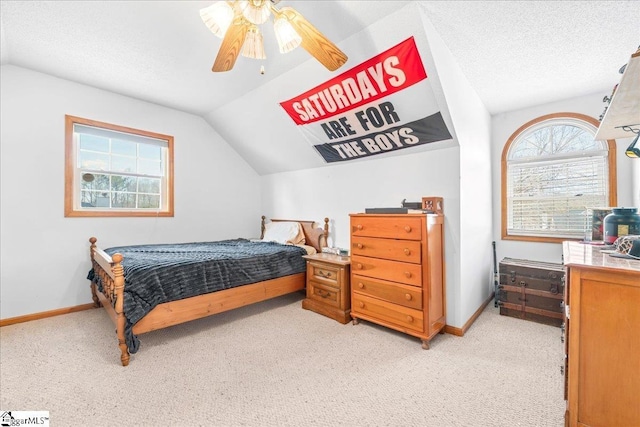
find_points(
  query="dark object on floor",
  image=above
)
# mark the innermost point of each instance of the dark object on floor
(531, 290)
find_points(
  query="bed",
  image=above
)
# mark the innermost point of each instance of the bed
(148, 287)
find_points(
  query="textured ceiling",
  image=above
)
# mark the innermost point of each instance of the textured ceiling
(514, 53)
(522, 53)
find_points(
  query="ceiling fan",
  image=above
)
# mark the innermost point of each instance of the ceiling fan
(236, 22)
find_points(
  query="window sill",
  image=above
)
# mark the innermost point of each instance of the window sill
(540, 239)
(154, 214)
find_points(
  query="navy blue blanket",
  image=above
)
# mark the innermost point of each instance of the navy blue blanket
(155, 274)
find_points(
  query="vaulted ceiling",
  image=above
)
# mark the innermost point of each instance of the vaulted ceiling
(515, 54)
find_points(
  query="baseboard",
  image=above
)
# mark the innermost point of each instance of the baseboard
(44, 314)
(461, 331)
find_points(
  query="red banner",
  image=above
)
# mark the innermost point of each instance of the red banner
(383, 75)
(381, 105)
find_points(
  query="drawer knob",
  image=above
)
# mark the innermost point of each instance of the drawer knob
(359, 227)
(408, 274)
(359, 266)
(407, 251)
(407, 229)
(361, 285)
(409, 319)
(361, 305)
(360, 245)
(323, 274)
(408, 297)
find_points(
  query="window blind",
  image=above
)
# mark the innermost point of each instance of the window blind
(551, 197)
(113, 134)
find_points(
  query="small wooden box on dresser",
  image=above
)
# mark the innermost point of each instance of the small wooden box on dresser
(602, 352)
(328, 290)
(397, 272)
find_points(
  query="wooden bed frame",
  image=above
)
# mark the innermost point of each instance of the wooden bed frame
(111, 272)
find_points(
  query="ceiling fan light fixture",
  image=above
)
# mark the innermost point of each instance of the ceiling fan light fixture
(243, 37)
(288, 38)
(255, 11)
(217, 17)
(253, 46)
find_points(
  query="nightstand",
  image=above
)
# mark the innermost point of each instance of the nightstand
(328, 290)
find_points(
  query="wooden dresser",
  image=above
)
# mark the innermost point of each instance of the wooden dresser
(602, 359)
(397, 272)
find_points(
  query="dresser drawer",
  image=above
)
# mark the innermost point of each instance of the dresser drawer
(395, 271)
(405, 317)
(322, 272)
(401, 227)
(323, 293)
(409, 296)
(398, 250)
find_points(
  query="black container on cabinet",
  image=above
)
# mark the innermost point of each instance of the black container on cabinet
(621, 222)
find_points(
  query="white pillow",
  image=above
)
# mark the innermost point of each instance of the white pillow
(284, 232)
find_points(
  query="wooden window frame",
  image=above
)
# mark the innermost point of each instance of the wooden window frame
(70, 209)
(613, 186)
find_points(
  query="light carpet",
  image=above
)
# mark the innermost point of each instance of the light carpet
(275, 364)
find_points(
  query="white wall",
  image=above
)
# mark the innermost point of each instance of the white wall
(503, 126)
(44, 256)
(472, 124)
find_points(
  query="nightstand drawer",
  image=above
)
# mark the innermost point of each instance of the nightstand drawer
(395, 271)
(402, 227)
(323, 293)
(409, 296)
(398, 250)
(392, 313)
(323, 272)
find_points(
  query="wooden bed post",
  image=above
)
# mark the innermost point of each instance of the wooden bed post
(96, 301)
(326, 231)
(118, 272)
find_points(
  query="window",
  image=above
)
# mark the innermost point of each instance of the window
(116, 171)
(553, 171)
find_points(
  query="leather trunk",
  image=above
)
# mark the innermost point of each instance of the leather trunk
(531, 290)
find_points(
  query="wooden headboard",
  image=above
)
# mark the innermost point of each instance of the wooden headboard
(314, 236)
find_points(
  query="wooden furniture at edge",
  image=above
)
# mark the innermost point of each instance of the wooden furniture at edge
(602, 359)
(328, 290)
(397, 272)
(110, 270)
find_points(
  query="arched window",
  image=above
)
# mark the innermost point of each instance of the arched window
(553, 171)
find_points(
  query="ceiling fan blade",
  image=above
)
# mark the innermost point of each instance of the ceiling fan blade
(314, 42)
(231, 45)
